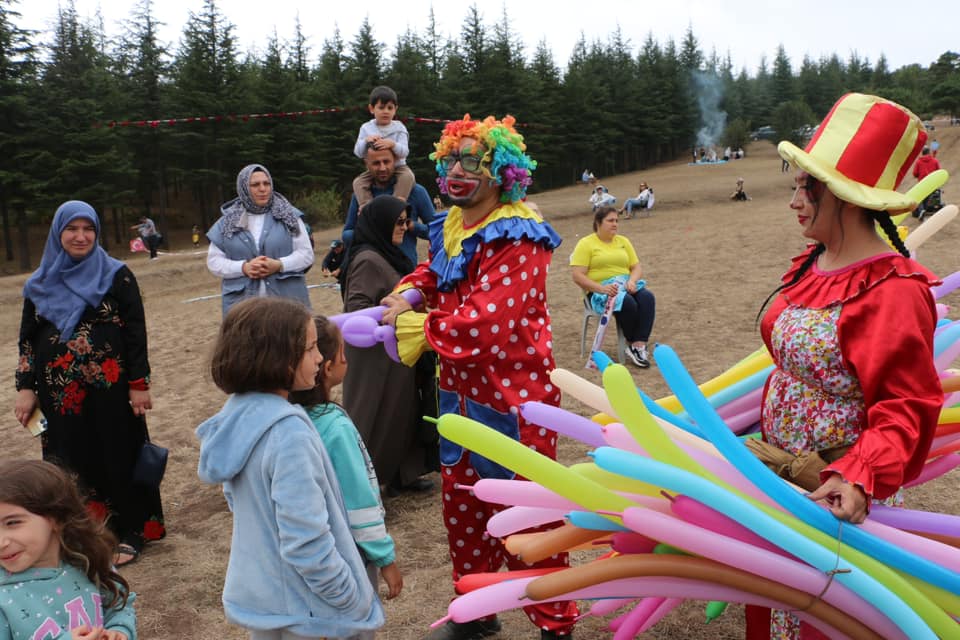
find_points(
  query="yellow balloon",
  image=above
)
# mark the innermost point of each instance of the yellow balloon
(949, 415)
(637, 419)
(930, 183)
(518, 457)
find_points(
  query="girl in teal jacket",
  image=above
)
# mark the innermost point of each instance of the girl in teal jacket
(354, 469)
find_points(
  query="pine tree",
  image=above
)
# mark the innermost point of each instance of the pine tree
(142, 67)
(782, 82)
(207, 80)
(18, 68)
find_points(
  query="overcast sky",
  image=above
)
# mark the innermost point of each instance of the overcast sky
(747, 29)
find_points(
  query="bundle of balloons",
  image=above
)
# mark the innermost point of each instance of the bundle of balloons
(682, 509)
(688, 512)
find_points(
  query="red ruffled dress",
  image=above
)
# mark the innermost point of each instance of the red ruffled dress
(853, 350)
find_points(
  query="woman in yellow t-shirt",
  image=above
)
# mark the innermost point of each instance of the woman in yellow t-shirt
(605, 264)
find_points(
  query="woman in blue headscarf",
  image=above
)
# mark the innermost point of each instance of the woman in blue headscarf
(259, 246)
(83, 361)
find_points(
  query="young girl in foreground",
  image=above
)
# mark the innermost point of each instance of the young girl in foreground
(294, 570)
(57, 573)
(352, 464)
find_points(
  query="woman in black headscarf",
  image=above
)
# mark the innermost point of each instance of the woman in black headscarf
(379, 394)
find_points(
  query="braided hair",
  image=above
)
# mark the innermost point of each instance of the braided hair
(817, 250)
(882, 218)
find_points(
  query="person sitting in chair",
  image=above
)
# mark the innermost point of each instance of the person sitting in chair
(643, 201)
(601, 198)
(605, 263)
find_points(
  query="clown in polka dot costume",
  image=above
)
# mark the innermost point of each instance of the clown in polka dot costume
(486, 317)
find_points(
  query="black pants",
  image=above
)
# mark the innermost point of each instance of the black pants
(636, 315)
(152, 243)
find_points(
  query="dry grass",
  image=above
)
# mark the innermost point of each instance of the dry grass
(710, 262)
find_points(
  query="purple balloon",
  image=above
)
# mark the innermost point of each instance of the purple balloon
(950, 283)
(358, 331)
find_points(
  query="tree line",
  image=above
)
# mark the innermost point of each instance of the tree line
(615, 107)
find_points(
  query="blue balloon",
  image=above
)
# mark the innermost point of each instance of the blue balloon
(741, 387)
(590, 520)
(686, 483)
(600, 359)
(740, 457)
(945, 337)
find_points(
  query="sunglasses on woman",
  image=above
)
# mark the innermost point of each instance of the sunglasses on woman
(470, 163)
(402, 222)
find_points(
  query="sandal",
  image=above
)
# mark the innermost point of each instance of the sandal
(124, 549)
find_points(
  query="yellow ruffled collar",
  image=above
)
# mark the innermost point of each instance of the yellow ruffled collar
(454, 232)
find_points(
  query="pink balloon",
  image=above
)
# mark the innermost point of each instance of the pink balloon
(942, 441)
(510, 594)
(520, 493)
(646, 614)
(732, 551)
(517, 519)
(668, 605)
(942, 554)
(530, 494)
(936, 468)
(749, 400)
(741, 421)
(605, 607)
(703, 516)
(630, 542)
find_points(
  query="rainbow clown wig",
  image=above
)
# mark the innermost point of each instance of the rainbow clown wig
(504, 160)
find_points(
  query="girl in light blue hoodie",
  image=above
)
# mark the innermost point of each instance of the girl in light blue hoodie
(294, 570)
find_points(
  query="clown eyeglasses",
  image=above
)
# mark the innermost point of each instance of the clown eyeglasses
(469, 163)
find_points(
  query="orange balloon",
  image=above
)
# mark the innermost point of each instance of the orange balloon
(636, 565)
(950, 384)
(535, 547)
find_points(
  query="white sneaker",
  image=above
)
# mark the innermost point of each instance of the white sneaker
(639, 356)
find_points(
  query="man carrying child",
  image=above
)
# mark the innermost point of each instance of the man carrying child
(382, 133)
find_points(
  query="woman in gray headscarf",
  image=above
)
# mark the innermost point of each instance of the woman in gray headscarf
(259, 246)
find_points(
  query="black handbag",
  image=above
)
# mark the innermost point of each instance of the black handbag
(151, 464)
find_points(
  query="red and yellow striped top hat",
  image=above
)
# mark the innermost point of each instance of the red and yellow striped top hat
(862, 150)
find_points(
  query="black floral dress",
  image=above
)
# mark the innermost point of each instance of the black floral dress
(83, 388)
